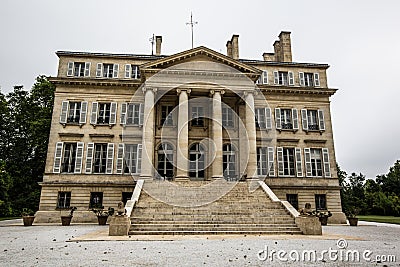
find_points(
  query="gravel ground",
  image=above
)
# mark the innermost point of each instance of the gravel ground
(56, 245)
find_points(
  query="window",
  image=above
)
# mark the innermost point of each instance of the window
(68, 163)
(73, 112)
(126, 196)
(63, 200)
(320, 202)
(313, 120)
(229, 162)
(289, 162)
(197, 116)
(96, 199)
(317, 162)
(132, 71)
(283, 78)
(197, 159)
(166, 116)
(293, 200)
(286, 119)
(309, 79)
(165, 166)
(131, 114)
(263, 118)
(100, 158)
(265, 161)
(78, 69)
(103, 113)
(68, 157)
(132, 158)
(106, 70)
(227, 117)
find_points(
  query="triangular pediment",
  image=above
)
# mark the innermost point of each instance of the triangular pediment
(200, 53)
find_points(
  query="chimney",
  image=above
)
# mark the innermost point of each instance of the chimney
(277, 51)
(229, 49)
(158, 45)
(235, 46)
(268, 56)
(286, 46)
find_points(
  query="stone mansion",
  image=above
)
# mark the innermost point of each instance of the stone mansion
(192, 117)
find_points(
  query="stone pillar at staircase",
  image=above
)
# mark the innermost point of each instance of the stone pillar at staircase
(251, 133)
(183, 136)
(217, 165)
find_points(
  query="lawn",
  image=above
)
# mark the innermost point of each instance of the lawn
(379, 218)
(8, 218)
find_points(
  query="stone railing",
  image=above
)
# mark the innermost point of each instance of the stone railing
(130, 204)
(309, 225)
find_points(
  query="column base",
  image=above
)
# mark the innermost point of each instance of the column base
(146, 177)
(181, 178)
(217, 177)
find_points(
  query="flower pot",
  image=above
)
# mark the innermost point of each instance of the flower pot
(323, 220)
(28, 220)
(353, 221)
(66, 220)
(102, 220)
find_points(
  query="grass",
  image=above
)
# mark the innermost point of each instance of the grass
(8, 218)
(379, 218)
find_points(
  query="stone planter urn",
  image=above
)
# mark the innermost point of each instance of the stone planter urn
(102, 219)
(323, 220)
(353, 221)
(66, 220)
(28, 220)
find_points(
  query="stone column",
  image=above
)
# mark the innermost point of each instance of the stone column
(148, 134)
(217, 165)
(182, 152)
(251, 133)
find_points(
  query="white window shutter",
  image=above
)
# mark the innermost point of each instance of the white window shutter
(271, 160)
(279, 158)
(316, 79)
(268, 119)
(321, 120)
(327, 164)
(141, 115)
(304, 119)
(93, 116)
(110, 158)
(291, 78)
(301, 79)
(139, 158)
(58, 157)
(87, 69)
(276, 77)
(299, 163)
(307, 160)
(120, 158)
(79, 157)
(295, 118)
(265, 77)
(127, 70)
(89, 157)
(122, 119)
(113, 113)
(99, 70)
(82, 116)
(70, 69)
(64, 112)
(115, 70)
(278, 120)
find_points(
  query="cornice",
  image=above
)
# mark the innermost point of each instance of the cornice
(94, 82)
(297, 90)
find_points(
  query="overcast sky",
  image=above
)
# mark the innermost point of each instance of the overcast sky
(360, 40)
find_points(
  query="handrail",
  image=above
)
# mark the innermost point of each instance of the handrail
(130, 204)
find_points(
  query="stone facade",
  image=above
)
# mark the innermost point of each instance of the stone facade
(121, 117)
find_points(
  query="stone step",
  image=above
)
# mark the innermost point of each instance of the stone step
(216, 232)
(227, 219)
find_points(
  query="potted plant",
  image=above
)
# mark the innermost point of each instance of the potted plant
(28, 216)
(102, 214)
(66, 220)
(323, 216)
(352, 216)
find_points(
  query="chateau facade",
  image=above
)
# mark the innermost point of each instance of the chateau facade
(197, 115)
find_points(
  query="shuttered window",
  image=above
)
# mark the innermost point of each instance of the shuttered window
(263, 118)
(103, 113)
(264, 77)
(265, 161)
(131, 114)
(313, 120)
(317, 162)
(132, 158)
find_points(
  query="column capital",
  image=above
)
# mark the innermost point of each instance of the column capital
(188, 91)
(147, 88)
(213, 91)
(254, 93)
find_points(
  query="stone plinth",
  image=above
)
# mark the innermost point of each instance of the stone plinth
(119, 225)
(309, 225)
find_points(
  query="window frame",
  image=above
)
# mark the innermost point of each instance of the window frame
(318, 202)
(66, 199)
(99, 201)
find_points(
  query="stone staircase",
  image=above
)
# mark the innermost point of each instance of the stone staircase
(238, 211)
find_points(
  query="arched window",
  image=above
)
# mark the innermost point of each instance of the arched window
(229, 162)
(196, 157)
(165, 166)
